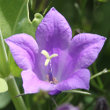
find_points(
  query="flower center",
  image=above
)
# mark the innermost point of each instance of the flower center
(51, 79)
(49, 76)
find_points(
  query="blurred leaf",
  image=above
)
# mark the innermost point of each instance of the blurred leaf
(89, 99)
(4, 100)
(13, 16)
(3, 85)
(102, 0)
(64, 98)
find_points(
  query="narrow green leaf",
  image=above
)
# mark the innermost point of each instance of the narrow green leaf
(79, 92)
(3, 86)
(100, 73)
(4, 66)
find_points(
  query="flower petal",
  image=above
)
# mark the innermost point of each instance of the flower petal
(53, 32)
(78, 80)
(24, 49)
(62, 65)
(67, 107)
(54, 92)
(85, 48)
(32, 84)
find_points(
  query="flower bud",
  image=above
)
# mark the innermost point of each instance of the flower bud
(101, 104)
(37, 19)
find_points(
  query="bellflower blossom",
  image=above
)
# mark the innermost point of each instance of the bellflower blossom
(55, 61)
(67, 107)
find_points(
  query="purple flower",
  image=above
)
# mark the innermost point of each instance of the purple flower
(55, 62)
(67, 107)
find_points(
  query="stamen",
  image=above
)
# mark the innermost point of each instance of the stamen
(48, 57)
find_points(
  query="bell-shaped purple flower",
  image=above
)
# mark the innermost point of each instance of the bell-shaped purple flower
(55, 62)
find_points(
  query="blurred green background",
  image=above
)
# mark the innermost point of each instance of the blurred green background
(91, 16)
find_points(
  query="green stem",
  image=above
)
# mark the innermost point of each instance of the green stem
(4, 67)
(93, 82)
(12, 86)
(13, 91)
(100, 73)
(52, 98)
(3, 46)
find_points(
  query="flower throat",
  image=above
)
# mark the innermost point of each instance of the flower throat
(49, 76)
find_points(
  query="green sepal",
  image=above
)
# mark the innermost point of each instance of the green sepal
(37, 19)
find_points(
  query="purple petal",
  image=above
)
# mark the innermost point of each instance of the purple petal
(78, 80)
(62, 65)
(32, 84)
(67, 107)
(40, 69)
(24, 49)
(54, 92)
(85, 48)
(53, 32)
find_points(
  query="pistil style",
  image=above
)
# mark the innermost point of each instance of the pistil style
(48, 58)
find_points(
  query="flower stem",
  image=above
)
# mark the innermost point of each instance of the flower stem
(100, 73)
(54, 101)
(13, 91)
(12, 86)
(4, 66)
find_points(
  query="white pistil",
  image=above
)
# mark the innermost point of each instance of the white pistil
(48, 57)
(47, 62)
(53, 55)
(45, 53)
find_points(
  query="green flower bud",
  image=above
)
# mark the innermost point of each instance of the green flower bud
(37, 19)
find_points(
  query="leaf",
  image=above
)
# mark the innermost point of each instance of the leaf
(78, 91)
(4, 100)
(12, 14)
(14, 18)
(4, 67)
(3, 86)
(64, 98)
